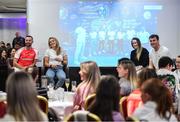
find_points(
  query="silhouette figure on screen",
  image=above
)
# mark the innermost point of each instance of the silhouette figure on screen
(80, 44)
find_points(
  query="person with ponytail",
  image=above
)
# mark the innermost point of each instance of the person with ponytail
(158, 104)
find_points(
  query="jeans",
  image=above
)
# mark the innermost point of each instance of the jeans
(59, 73)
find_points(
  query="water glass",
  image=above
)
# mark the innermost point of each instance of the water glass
(60, 94)
(44, 81)
(73, 83)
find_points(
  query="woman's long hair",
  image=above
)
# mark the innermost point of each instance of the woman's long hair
(160, 94)
(132, 75)
(145, 74)
(58, 48)
(22, 98)
(92, 72)
(139, 49)
(107, 98)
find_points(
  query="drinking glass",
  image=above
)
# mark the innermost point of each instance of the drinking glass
(67, 83)
(73, 83)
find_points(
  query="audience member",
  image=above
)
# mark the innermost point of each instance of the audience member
(140, 55)
(128, 77)
(2, 45)
(157, 52)
(8, 46)
(90, 76)
(18, 41)
(177, 71)
(10, 58)
(134, 99)
(22, 102)
(157, 101)
(106, 103)
(55, 58)
(168, 77)
(3, 58)
(26, 56)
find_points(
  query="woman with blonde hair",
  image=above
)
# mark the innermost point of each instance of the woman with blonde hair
(55, 58)
(90, 76)
(128, 77)
(22, 102)
(140, 55)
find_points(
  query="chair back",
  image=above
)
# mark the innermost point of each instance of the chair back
(82, 116)
(43, 103)
(123, 106)
(89, 100)
(132, 119)
(3, 107)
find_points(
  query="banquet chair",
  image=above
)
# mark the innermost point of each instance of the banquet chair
(43, 103)
(89, 100)
(3, 107)
(123, 106)
(132, 119)
(82, 116)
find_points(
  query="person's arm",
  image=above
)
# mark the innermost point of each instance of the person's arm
(65, 60)
(16, 58)
(46, 61)
(15, 64)
(33, 64)
(145, 57)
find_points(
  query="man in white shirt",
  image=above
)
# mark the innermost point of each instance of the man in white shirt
(157, 52)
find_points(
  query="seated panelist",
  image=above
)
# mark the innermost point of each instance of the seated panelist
(25, 57)
(55, 57)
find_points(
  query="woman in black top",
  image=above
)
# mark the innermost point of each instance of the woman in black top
(3, 58)
(140, 55)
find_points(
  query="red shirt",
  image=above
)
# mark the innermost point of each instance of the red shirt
(26, 57)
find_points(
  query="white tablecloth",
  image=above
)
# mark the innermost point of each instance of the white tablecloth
(62, 108)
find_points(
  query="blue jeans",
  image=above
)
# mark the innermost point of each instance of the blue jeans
(59, 73)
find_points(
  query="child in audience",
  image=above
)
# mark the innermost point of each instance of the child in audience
(22, 102)
(128, 77)
(106, 103)
(158, 105)
(90, 76)
(134, 99)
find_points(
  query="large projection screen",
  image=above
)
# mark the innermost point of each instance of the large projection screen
(101, 30)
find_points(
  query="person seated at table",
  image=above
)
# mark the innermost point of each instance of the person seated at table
(134, 99)
(158, 104)
(22, 102)
(128, 77)
(140, 55)
(90, 76)
(55, 57)
(106, 103)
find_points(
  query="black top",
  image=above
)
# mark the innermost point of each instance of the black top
(143, 59)
(19, 41)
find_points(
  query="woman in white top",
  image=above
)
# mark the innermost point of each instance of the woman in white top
(22, 102)
(158, 105)
(54, 59)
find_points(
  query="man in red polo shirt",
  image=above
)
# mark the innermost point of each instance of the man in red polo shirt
(26, 56)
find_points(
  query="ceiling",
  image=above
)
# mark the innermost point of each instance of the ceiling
(12, 6)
